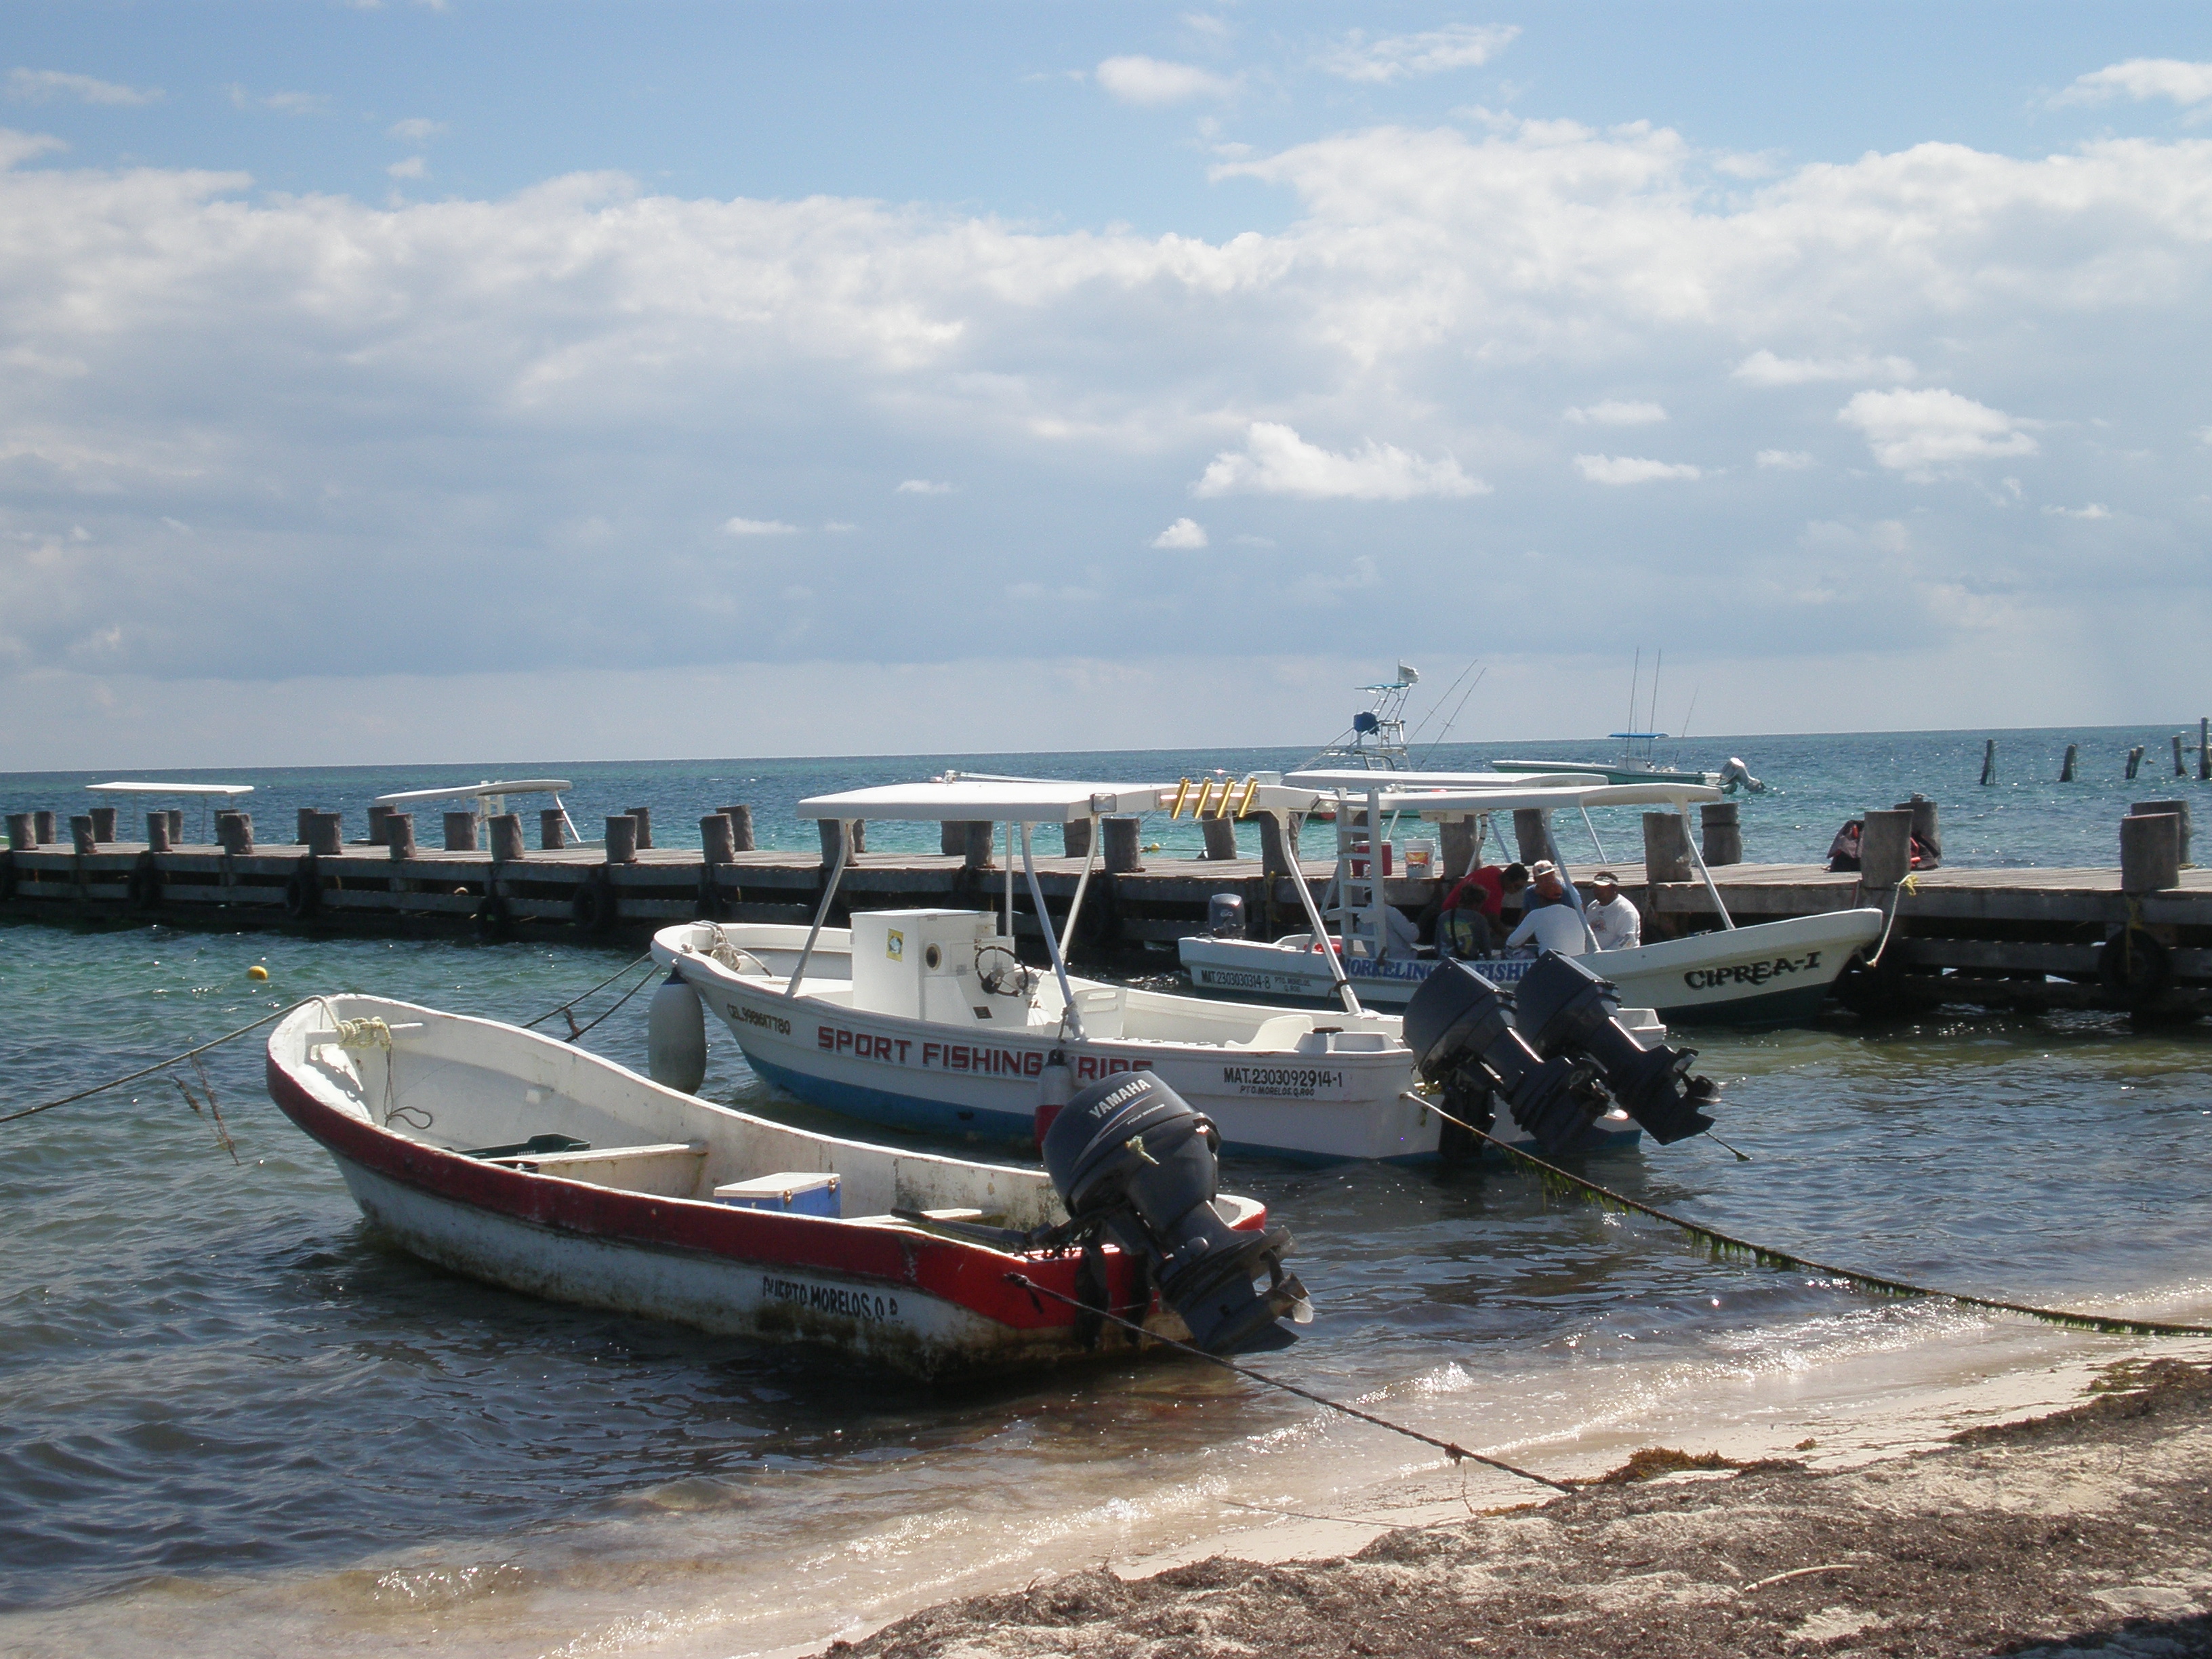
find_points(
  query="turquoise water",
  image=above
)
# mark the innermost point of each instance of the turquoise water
(225, 1401)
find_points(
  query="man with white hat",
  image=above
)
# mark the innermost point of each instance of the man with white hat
(1613, 921)
(1551, 918)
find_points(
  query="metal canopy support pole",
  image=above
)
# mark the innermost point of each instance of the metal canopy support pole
(1320, 936)
(575, 835)
(1378, 894)
(1682, 807)
(1070, 1018)
(1010, 874)
(822, 910)
(1594, 842)
(1082, 883)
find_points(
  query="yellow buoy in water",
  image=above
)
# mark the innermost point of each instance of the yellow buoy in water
(257, 971)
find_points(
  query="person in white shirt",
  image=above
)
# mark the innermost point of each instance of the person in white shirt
(1552, 920)
(1613, 921)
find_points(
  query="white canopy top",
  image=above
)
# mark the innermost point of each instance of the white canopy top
(982, 801)
(1459, 802)
(462, 790)
(171, 788)
(1357, 781)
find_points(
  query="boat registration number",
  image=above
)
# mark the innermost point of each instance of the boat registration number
(830, 1298)
(1282, 1082)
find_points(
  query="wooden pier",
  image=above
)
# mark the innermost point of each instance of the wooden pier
(2030, 939)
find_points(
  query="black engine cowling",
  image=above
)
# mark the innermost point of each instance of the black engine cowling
(1460, 1030)
(1566, 1009)
(1130, 1156)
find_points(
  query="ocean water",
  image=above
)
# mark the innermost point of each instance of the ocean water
(233, 1421)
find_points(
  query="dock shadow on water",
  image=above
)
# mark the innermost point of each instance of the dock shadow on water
(235, 1418)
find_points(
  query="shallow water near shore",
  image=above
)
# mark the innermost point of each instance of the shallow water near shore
(232, 1420)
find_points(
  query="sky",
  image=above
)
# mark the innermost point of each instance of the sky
(406, 382)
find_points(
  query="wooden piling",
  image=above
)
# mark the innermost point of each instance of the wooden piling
(741, 827)
(1886, 848)
(552, 829)
(377, 818)
(23, 836)
(2150, 852)
(2135, 761)
(1721, 828)
(833, 836)
(103, 824)
(176, 817)
(234, 833)
(460, 832)
(2066, 767)
(975, 847)
(1666, 847)
(1121, 845)
(1988, 763)
(718, 838)
(1926, 828)
(326, 834)
(2204, 748)
(157, 832)
(1220, 838)
(643, 817)
(1279, 845)
(622, 838)
(1529, 836)
(2180, 765)
(42, 823)
(399, 835)
(952, 837)
(505, 832)
(80, 836)
(305, 822)
(2179, 809)
(1074, 838)
(1456, 846)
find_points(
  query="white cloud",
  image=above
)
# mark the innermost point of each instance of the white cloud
(923, 487)
(1614, 412)
(413, 168)
(16, 148)
(1276, 461)
(1154, 80)
(1632, 468)
(416, 130)
(1765, 368)
(1915, 432)
(28, 86)
(1183, 534)
(2094, 510)
(2143, 78)
(759, 527)
(297, 103)
(1401, 57)
(1788, 461)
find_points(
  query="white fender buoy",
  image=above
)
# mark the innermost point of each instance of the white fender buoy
(675, 1036)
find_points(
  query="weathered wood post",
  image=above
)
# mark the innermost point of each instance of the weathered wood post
(325, 835)
(506, 829)
(1666, 847)
(2179, 809)
(643, 817)
(2150, 852)
(622, 838)
(741, 827)
(1721, 829)
(80, 836)
(1278, 844)
(2180, 765)
(460, 832)
(399, 835)
(23, 836)
(234, 832)
(2204, 748)
(952, 838)
(1925, 828)
(158, 839)
(1455, 847)
(1220, 837)
(1075, 838)
(1988, 763)
(42, 823)
(1121, 857)
(2066, 767)
(176, 817)
(834, 835)
(1886, 848)
(305, 821)
(718, 838)
(377, 817)
(976, 841)
(2135, 761)
(103, 824)
(1529, 837)
(552, 829)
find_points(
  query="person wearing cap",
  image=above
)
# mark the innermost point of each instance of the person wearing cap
(1489, 888)
(1551, 913)
(1613, 921)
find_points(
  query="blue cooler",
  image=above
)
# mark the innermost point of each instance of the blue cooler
(791, 1193)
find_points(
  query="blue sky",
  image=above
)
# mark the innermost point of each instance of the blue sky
(412, 382)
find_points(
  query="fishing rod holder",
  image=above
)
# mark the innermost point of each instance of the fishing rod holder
(1461, 1029)
(1571, 1012)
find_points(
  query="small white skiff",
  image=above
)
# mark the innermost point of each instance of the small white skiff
(520, 1160)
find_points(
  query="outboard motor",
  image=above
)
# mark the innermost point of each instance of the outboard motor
(1569, 1012)
(1461, 1033)
(1224, 915)
(1129, 1155)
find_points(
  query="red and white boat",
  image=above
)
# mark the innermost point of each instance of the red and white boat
(524, 1162)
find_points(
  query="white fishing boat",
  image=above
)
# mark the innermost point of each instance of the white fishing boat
(489, 797)
(1766, 974)
(530, 1164)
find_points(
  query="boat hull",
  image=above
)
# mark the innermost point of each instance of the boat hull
(1610, 774)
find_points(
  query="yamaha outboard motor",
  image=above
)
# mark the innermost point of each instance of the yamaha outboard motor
(1129, 1155)
(1460, 1030)
(1568, 1010)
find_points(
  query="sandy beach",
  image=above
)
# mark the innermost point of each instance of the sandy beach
(2082, 1529)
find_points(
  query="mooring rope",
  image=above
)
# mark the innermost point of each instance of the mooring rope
(576, 1035)
(1451, 1449)
(1726, 1244)
(160, 1065)
(533, 1025)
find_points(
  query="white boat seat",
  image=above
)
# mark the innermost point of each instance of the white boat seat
(668, 1170)
(1277, 1031)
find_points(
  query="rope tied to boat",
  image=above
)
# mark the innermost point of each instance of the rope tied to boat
(370, 1032)
(1766, 1255)
(1451, 1449)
